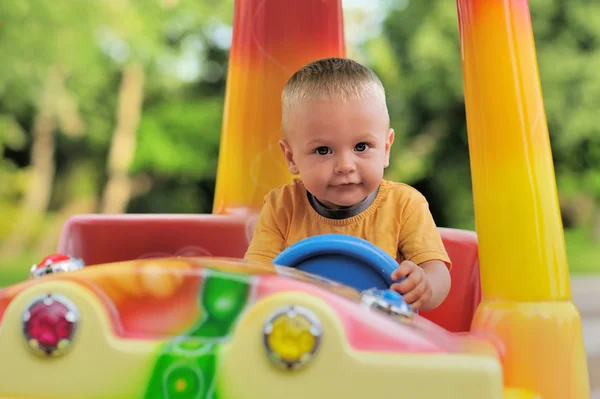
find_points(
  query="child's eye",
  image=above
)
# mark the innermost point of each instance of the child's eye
(361, 147)
(322, 150)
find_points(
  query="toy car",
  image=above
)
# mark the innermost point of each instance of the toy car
(213, 327)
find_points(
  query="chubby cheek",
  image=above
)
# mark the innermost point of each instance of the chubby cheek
(316, 183)
(371, 175)
(315, 177)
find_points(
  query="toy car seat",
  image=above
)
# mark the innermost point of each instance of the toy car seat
(110, 238)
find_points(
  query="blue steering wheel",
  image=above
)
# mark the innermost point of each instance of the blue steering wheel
(346, 259)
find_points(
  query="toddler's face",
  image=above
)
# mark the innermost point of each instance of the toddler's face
(340, 149)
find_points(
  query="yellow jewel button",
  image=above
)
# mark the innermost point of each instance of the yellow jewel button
(292, 336)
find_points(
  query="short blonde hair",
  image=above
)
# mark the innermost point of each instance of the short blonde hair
(330, 79)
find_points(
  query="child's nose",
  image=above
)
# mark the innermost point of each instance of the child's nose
(345, 164)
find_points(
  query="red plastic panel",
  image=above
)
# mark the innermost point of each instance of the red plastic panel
(112, 238)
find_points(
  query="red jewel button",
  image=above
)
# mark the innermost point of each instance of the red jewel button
(51, 259)
(49, 324)
(56, 263)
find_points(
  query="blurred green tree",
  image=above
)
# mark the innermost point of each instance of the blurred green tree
(87, 94)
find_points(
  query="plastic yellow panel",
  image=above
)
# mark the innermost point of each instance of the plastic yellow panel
(521, 244)
(97, 366)
(339, 371)
(544, 346)
(515, 393)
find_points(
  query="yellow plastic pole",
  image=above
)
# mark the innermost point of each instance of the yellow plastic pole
(271, 40)
(524, 271)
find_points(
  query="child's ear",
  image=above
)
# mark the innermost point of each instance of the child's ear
(388, 145)
(289, 156)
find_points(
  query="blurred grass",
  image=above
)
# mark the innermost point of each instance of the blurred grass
(16, 269)
(583, 255)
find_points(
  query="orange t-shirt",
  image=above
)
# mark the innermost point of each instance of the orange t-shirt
(397, 221)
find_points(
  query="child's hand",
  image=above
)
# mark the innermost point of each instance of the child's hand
(416, 288)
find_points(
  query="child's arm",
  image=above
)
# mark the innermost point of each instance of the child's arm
(427, 263)
(439, 279)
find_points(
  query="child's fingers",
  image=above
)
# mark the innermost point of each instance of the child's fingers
(405, 286)
(396, 287)
(416, 305)
(414, 294)
(411, 281)
(405, 269)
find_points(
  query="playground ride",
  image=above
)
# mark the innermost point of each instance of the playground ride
(165, 308)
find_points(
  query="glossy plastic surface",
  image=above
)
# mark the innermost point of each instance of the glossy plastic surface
(524, 268)
(349, 260)
(111, 238)
(515, 393)
(190, 327)
(272, 39)
(544, 345)
(514, 189)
